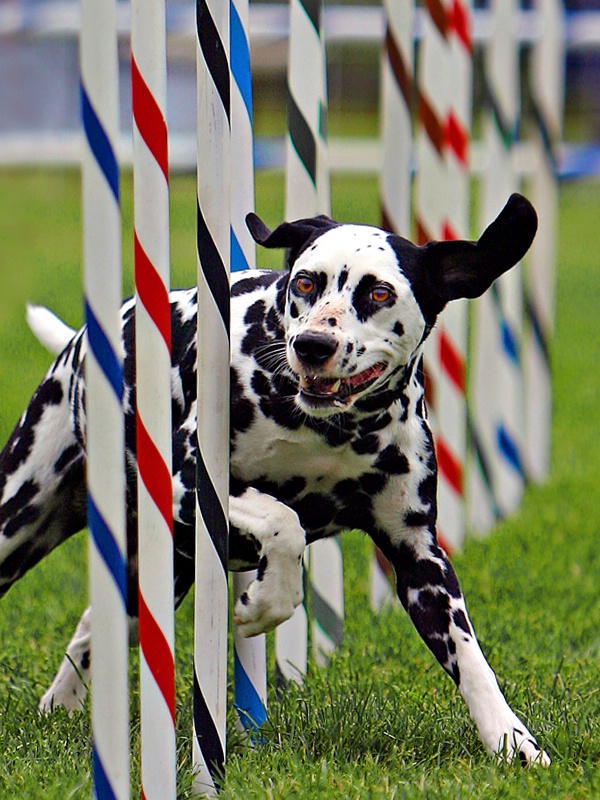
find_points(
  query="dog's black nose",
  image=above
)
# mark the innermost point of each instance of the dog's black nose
(313, 349)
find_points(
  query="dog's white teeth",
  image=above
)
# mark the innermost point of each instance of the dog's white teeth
(335, 387)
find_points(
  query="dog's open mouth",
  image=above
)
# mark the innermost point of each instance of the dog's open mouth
(338, 391)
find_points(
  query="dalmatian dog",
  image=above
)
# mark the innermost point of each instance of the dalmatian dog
(329, 431)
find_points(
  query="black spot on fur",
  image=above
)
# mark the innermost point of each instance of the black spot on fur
(431, 614)
(342, 278)
(243, 410)
(376, 422)
(18, 448)
(358, 514)
(255, 313)
(261, 384)
(398, 329)
(247, 285)
(316, 511)
(392, 461)
(460, 620)
(262, 568)
(366, 444)
(66, 457)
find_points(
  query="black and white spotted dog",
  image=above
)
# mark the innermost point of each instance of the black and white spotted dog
(328, 431)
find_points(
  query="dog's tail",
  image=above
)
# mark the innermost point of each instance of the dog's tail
(48, 329)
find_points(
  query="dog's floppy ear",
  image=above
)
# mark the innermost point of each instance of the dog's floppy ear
(467, 269)
(293, 236)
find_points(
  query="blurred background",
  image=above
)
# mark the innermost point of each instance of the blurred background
(39, 105)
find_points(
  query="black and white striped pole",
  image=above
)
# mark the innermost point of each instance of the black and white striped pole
(212, 462)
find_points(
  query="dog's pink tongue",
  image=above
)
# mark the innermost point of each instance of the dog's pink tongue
(368, 375)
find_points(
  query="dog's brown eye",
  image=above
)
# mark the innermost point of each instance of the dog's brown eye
(381, 294)
(304, 284)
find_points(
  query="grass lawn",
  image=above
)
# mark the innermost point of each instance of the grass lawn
(382, 721)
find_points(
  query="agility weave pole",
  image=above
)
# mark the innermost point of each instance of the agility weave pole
(442, 211)
(104, 378)
(395, 183)
(497, 398)
(546, 93)
(308, 194)
(249, 655)
(212, 461)
(209, 727)
(153, 400)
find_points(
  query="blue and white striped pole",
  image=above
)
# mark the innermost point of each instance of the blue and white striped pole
(497, 377)
(104, 389)
(212, 460)
(547, 94)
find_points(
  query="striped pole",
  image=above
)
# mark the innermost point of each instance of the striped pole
(497, 481)
(547, 94)
(432, 189)
(104, 390)
(450, 339)
(243, 248)
(307, 178)
(249, 672)
(212, 461)
(153, 395)
(307, 194)
(397, 75)
(250, 669)
(442, 200)
(291, 640)
(396, 128)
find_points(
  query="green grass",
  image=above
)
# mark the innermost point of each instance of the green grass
(382, 721)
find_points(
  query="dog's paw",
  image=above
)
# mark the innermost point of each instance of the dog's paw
(269, 600)
(69, 694)
(519, 743)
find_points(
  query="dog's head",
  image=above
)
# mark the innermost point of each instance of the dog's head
(360, 302)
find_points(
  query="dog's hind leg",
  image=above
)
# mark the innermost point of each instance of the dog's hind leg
(69, 687)
(42, 480)
(429, 590)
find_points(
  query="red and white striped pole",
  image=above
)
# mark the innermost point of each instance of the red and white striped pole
(104, 392)
(547, 93)
(153, 399)
(451, 338)
(442, 212)
(397, 75)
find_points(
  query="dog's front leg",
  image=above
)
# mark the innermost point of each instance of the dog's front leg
(429, 590)
(279, 541)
